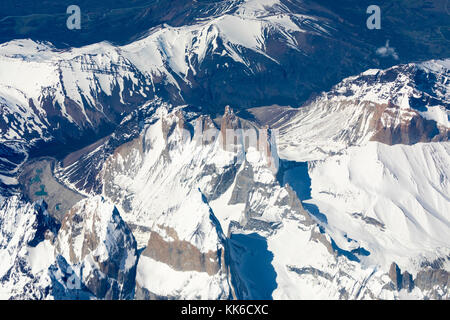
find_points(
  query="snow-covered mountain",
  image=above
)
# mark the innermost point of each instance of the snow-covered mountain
(92, 254)
(229, 212)
(126, 174)
(216, 212)
(78, 94)
(405, 104)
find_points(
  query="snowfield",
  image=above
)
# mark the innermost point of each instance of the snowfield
(393, 200)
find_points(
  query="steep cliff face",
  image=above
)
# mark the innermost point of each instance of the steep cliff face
(432, 280)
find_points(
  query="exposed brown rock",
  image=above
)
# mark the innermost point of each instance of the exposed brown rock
(182, 255)
(229, 122)
(410, 130)
(430, 279)
(395, 275)
(407, 281)
(321, 238)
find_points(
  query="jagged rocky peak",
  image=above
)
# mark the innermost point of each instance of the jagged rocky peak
(27, 233)
(46, 226)
(187, 246)
(91, 255)
(229, 121)
(95, 239)
(165, 129)
(432, 280)
(239, 132)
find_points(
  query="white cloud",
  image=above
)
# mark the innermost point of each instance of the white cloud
(387, 51)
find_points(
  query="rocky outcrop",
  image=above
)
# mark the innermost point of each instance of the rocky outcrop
(433, 282)
(95, 240)
(411, 127)
(45, 225)
(23, 227)
(395, 275)
(181, 255)
(91, 255)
